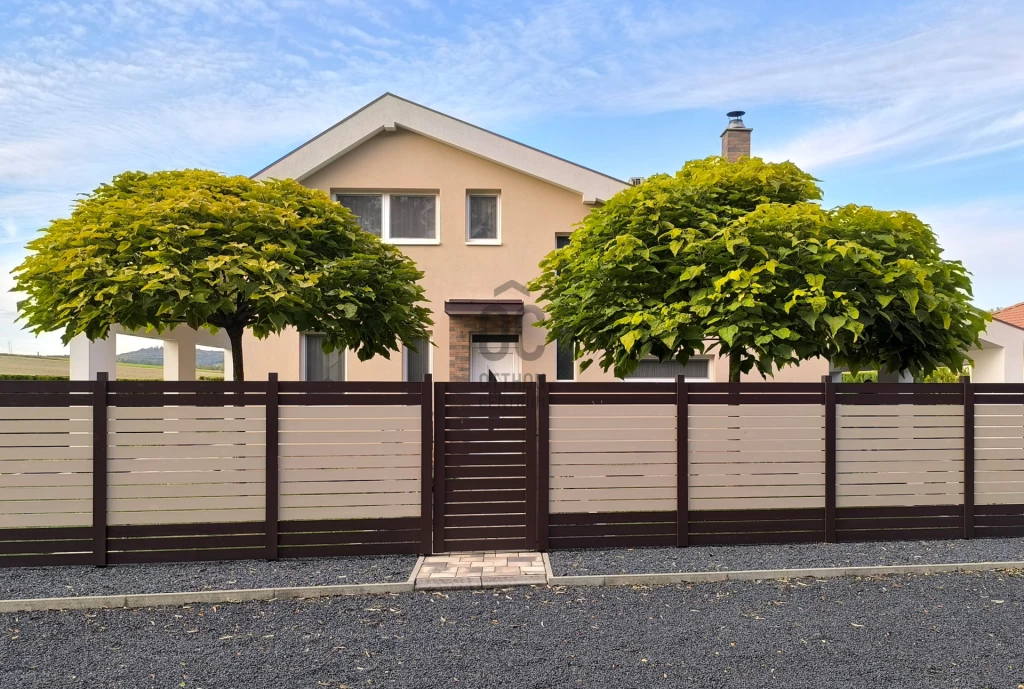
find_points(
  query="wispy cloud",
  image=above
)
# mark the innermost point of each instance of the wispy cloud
(90, 89)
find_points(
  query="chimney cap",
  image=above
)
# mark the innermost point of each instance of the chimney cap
(735, 114)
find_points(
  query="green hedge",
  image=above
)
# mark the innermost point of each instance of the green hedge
(18, 376)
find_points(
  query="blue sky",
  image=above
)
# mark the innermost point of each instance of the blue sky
(916, 106)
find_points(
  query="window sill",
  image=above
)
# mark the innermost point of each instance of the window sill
(483, 242)
(413, 242)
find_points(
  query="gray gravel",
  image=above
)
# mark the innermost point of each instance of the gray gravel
(735, 557)
(950, 630)
(58, 582)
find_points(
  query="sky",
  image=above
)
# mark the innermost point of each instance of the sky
(916, 106)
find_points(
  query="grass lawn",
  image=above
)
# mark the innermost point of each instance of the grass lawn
(61, 365)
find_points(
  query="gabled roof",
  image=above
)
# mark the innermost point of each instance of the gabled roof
(1011, 315)
(390, 112)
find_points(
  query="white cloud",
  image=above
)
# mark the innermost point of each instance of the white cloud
(89, 90)
(986, 236)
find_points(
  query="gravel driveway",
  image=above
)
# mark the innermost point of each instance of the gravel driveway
(950, 630)
(59, 582)
(800, 555)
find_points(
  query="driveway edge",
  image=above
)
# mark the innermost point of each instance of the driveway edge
(148, 600)
(758, 574)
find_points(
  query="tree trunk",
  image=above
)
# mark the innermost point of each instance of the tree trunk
(238, 367)
(734, 367)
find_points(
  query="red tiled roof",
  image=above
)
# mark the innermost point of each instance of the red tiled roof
(1014, 315)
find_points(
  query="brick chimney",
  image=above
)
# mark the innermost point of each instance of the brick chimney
(736, 138)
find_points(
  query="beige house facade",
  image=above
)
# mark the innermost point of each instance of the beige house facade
(477, 212)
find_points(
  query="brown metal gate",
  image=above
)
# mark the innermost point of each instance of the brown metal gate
(485, 466)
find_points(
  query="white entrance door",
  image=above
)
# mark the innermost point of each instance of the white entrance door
(494, 358)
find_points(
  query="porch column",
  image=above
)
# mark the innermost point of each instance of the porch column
(229, 365)
(89, 358)
(179, 360)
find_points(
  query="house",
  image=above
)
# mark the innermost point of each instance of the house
(477, 212)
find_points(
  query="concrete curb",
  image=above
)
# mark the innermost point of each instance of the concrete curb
(758, 574)
(148, 600)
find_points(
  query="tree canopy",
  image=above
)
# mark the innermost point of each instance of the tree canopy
(194, 247)
(739, 257)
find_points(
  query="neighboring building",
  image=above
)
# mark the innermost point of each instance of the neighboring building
(477, 212)
(1001, 357)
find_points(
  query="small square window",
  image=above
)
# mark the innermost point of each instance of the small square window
(413, 217)
(368, 209)
(482, 218)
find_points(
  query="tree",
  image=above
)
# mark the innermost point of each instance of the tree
(199, 248)
(736, 256)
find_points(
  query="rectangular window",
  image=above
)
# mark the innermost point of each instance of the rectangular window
(565, 365)
(395, 217)
(696, 370)
(417, 364)
(368, 209)
(482, 219)
(562, 241)
(413, 217)
(320, 366)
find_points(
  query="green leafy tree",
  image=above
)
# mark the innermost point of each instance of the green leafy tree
(194, 247)
(737, 256)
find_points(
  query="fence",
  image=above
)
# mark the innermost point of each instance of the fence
(111, 472)
(211, 470)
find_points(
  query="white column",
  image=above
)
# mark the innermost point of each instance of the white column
(229, 365)
(179, 360)
(89, 358)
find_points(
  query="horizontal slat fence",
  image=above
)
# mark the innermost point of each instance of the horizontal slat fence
(612, 464)
(210, 470)
(756, 457)
(781, 462)
(115, 472)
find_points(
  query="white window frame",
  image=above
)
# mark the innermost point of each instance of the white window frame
(709, 379)
(385, 212)
(488, 194)
(405, 359)
(302, 358)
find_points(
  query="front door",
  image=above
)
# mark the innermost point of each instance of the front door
(494, 358)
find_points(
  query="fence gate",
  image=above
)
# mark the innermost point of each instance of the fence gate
(485, 466)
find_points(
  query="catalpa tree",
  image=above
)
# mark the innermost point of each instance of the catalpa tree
(194, 247)
(736, 256)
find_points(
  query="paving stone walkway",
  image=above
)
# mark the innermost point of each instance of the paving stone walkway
(481, 569)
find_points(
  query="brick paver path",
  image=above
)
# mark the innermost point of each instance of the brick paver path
(478, 569)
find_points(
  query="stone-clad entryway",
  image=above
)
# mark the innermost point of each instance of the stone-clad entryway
(481, 569)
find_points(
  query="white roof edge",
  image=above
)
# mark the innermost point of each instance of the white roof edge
(390, 111)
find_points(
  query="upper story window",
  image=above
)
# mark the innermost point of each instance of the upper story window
(401, 218)
(483, 221)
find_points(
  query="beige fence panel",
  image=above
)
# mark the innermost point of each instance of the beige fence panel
(756, 456)
(185, 464)
(899, 455)
(45, 466)
(612, 458)
(999, 454)
(352, 462)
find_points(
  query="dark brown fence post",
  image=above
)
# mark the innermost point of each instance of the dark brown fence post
(532, 503)
(968, 457)
(682, 464)
(439, 416)
(99, 470)
(543, 462)
(427, 465)
(830, 459)
(272, 484)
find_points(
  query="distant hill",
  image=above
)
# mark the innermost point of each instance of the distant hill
(154, 356)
